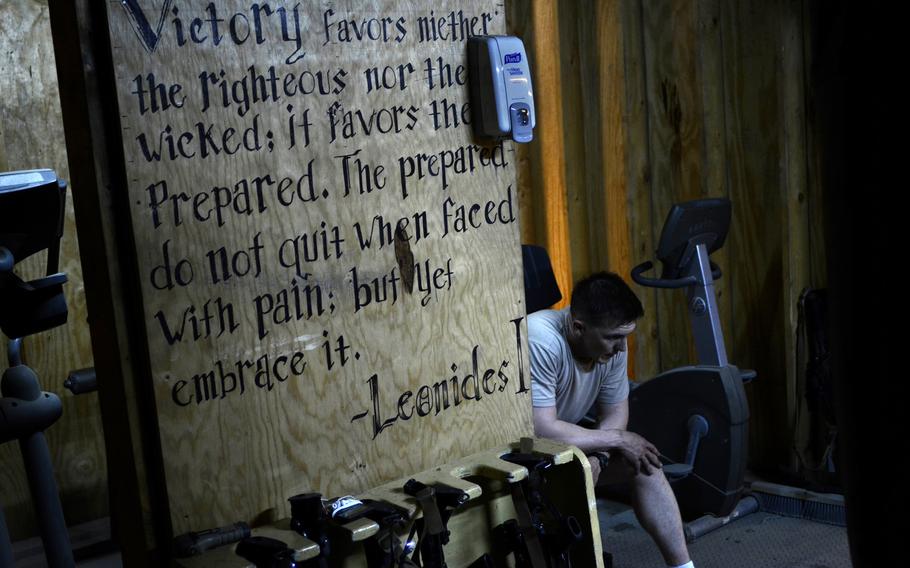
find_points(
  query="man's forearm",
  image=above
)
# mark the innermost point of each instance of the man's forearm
(587, 440)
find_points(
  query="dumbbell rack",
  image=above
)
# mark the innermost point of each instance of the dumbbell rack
(486, 478)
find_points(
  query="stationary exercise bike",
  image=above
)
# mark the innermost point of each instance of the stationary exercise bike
(696, 416)
(31, 221)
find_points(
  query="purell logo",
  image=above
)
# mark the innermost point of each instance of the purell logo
(513, 58)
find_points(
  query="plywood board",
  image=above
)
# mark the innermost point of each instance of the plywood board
(330, 265)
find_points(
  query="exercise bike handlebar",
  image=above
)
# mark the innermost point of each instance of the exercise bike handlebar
(689, 280)
(637, 276)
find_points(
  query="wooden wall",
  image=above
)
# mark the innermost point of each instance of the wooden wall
(661, 102)
(31, 136)
(330, 407)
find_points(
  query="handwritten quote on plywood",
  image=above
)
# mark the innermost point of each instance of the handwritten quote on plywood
(330, 265)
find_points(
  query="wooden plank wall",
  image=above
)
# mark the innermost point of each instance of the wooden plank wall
(31, 136)
(711, 100)
(669, 101)
(542, 182)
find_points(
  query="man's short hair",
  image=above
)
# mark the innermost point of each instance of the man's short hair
(604, 298)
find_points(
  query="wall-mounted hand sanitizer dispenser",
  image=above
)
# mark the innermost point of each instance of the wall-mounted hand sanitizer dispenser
(502, 100)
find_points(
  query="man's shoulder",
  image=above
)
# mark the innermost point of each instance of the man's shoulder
(546, 337)
(546, 325)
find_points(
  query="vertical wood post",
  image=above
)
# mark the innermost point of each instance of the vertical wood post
(549, 145)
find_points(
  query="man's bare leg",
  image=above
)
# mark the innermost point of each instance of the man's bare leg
(655, 507)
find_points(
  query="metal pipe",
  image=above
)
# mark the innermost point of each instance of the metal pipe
(703, 525)
(704, 313)
(46, 499)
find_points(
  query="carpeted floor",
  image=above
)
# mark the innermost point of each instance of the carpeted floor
(758, 540)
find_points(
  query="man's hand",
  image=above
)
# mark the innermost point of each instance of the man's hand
(640, 453)
(595, 468)
(598, 462)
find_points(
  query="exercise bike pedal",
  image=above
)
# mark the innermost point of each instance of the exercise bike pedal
(677, 471)
(698, 429)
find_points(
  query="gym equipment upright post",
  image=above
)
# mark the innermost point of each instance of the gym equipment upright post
(697, 416)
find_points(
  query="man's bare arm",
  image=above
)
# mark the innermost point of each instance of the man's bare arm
(613, 416)
(640, 453)
(547, 425)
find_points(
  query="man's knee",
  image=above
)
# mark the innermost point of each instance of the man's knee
(618, 470)
(656, 481)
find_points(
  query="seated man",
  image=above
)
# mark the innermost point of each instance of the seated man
(578, 357)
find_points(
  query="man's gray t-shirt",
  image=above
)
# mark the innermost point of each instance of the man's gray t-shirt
(558, 380)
